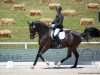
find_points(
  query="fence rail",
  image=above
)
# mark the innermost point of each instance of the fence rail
(26, 43)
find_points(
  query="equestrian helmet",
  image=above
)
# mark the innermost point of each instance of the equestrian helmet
(58, 8)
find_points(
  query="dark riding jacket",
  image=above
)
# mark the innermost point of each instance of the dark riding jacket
(58, 21)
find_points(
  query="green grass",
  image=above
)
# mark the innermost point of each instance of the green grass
(20, 32)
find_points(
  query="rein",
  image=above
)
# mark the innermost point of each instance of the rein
(36, 35)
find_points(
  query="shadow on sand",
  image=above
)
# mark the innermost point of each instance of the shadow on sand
(63, 68)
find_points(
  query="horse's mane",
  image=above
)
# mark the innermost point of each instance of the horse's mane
(40, 24)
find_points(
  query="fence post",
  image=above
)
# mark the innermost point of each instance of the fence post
(25, 45)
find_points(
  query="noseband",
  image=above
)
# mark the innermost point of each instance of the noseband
(34, 30)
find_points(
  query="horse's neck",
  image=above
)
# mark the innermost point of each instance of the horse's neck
(42, 32)
(42, 29)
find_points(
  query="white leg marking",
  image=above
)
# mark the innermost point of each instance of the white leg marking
(59, 63)
(47, 62)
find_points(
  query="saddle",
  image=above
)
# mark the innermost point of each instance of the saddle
(61, 34)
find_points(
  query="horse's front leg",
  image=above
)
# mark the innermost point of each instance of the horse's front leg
(45, 48)
(36, 59)
(44, 59)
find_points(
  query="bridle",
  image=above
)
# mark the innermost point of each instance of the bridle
(32, 32)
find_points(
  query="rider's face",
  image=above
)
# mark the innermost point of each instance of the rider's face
(58, 11)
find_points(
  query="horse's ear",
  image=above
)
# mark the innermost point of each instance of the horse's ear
(33, 24)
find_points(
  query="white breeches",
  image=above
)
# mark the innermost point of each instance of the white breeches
(57, 30)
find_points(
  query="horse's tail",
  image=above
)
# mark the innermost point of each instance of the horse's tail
(99, 32)
(85, 37)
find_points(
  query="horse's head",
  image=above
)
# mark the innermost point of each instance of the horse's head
(38, 27)
(32, 29)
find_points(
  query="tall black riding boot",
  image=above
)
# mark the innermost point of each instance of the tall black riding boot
(58, 41)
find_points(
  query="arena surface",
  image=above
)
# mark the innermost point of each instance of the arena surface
(51, 70)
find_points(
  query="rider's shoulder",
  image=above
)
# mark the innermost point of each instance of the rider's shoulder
(60, 15)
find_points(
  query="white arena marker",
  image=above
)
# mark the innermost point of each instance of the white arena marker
(9, 64)
(97, 63)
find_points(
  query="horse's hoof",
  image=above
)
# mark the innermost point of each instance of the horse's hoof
(59, 63)
(73, 67)
(32, 67)
(47, 62)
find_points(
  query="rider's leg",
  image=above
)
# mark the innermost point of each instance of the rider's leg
(58, 40)
(57, 30)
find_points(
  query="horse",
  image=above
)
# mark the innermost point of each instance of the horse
(90, 33)
(72, 40)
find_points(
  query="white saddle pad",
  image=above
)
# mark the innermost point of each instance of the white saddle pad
(61, 34)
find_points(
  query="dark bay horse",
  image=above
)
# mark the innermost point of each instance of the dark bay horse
(71, 41)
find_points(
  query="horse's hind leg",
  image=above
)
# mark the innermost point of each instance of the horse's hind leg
(68, 56)
(76, 60)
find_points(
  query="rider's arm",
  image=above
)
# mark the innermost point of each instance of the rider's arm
(59, 22)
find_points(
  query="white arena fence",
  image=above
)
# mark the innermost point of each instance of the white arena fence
(10, 64)
(27, 43)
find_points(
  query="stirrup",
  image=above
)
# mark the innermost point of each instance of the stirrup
(60, 46)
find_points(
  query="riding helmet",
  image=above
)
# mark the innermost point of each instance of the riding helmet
(58, 8)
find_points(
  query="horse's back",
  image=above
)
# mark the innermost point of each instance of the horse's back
(72, 32)
(75, 35)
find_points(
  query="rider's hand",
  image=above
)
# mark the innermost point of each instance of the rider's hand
(52, 25)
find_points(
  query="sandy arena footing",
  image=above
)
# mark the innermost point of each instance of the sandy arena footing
(51, 70)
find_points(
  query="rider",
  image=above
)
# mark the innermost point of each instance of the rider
(57, 24)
